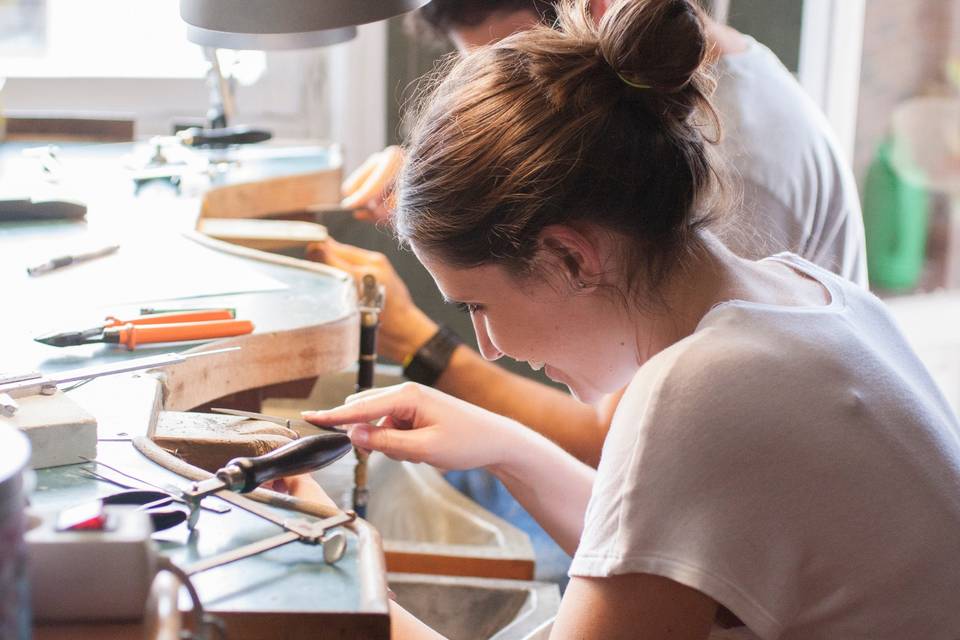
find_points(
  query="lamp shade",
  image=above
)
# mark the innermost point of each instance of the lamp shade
(283, 24)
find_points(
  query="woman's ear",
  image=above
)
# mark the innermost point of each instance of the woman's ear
(573, 256)
(598, 8)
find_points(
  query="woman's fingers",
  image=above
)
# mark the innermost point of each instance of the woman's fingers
(366, 394)
(399, 402)
(415, 445)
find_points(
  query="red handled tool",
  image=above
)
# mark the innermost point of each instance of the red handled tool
(204, 324)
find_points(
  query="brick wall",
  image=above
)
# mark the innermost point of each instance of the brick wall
(905, 45)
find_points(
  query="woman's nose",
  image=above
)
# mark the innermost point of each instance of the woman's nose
(487, 349)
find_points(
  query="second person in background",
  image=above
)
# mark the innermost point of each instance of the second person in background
(798, 195)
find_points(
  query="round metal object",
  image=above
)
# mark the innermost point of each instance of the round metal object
(283, 24)
(269, 41)
(334, 546)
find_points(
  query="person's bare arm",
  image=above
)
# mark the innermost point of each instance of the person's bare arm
(405, 626)
(629, 606)
(404, 328)
(421, 424)
(575, 426)
(633, 605)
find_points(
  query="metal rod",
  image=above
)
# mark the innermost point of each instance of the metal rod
(371, 303)
(35, 385)
(207, 507)
(240, 553)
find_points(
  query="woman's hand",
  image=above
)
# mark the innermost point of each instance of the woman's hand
(404, 328)
(302, 486)
(369, 188)
(421, 424)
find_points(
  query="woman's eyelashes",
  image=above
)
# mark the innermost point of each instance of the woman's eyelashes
(468, 307)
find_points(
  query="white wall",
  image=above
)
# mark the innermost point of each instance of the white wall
(831, 47)
(337, 94)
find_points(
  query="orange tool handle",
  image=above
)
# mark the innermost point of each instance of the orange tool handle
(132, 335)
(200, 315)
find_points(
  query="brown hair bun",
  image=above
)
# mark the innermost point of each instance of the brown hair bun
(546, 127)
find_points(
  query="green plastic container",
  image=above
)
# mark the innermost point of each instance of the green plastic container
(895, 216)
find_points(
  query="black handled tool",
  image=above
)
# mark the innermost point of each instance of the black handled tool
(222, 137)
(243, 475)
(36, 209)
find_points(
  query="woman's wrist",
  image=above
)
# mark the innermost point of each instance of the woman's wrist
(511, 449)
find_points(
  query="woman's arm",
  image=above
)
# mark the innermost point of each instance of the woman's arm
(430, 426)
(634, 606)
(553, 486)
(406, 626)
(424, 425)
(637, 606)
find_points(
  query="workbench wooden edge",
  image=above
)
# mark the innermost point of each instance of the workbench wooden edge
(264, 256)
(263, 359)
(373, 589)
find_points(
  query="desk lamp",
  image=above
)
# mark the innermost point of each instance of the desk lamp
(283, 24)
(262, 25)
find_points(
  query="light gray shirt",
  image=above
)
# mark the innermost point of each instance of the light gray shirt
(799, 195)
(796, 464)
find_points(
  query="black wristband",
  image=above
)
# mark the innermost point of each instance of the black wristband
(432, 358)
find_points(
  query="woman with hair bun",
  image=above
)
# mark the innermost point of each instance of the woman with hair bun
(780, 461)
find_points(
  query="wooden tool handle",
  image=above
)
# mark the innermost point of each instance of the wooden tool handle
(299, 456)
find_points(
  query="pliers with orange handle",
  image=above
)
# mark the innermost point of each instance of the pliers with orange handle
(204, 324)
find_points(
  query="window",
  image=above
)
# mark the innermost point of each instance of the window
(96, 39)
(132, 58)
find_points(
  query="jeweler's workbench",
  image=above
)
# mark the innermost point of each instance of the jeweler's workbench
(306, 325)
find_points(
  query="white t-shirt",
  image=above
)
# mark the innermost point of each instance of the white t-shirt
(796, 464)
(798, 193)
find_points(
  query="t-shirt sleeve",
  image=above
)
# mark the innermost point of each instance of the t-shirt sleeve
(767, 225)
(696, 493)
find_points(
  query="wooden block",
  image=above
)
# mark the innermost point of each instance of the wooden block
(60, 127)
(59, 430)
(272, 196)
(266, 235)
(210, 440)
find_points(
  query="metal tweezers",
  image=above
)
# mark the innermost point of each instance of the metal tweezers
(290, 423)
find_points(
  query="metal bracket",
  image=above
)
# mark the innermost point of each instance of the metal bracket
(8, 406)
(312, 533)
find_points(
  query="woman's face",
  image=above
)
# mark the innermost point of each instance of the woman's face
(580, 339)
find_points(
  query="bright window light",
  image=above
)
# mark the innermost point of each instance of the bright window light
(96, 39)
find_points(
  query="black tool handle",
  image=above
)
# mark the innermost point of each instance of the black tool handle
(366, 363)
(302, 455)
(196, 137)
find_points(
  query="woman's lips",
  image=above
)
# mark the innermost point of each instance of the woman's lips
(553, 374)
